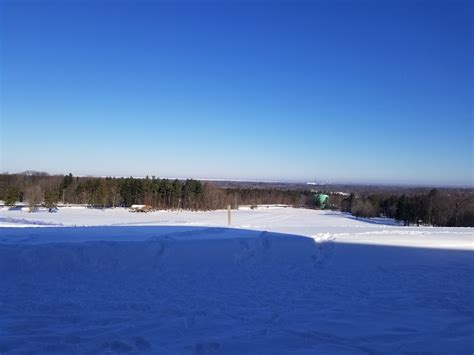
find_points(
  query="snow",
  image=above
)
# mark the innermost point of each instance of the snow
(279, 280)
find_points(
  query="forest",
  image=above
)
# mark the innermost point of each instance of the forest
(446, 207)
(437, 207)
(47, 190)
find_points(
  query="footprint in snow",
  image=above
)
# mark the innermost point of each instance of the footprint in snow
(206, 348)
(325, 247)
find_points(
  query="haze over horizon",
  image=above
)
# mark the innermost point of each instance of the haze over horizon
(364, 92)
(308, 182)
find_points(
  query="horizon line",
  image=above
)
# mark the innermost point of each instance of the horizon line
(308, 182)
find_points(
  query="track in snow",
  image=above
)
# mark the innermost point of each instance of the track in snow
(217, 290)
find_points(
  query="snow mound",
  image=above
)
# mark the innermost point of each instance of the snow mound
(204, 290)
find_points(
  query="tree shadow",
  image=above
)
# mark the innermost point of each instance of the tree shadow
(374, 220)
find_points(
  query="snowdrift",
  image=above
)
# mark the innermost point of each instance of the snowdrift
(191, 290)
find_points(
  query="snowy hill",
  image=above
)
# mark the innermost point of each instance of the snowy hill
(281, 280)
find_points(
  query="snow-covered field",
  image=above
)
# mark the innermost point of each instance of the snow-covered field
(280, 280)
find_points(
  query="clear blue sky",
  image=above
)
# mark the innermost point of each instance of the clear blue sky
(345, 91)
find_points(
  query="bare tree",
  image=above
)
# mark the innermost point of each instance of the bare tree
(34, 196)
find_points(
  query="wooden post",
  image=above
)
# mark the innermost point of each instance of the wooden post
(229, 219)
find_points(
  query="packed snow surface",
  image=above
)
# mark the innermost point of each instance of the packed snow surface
(279, 280)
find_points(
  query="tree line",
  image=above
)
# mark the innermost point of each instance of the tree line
(190, 194)
(436, 207)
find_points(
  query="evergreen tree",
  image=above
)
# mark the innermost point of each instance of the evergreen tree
(12, 196)
(176, 194)
(50, 199)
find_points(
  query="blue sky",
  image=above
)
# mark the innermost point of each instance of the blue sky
(342, 91)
